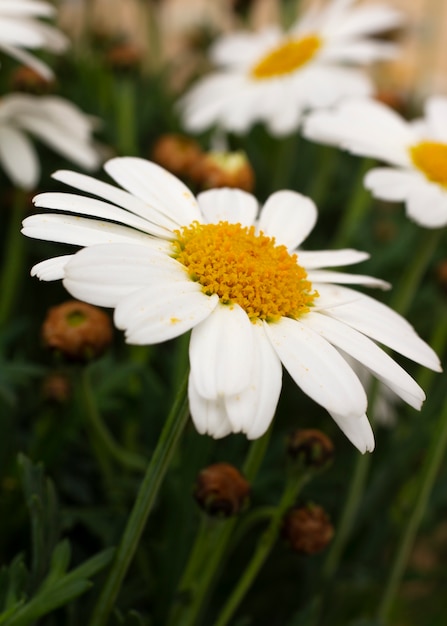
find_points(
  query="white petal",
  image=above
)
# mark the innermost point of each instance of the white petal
(105, 274)
(251, 411)
(228, 205)
(427, 205)
(326, 276)
(289, 217)
(317, 368)
(369, 354)
(162, 311)
(80, 231)
(436, 113)
(313, 259)
(28, 59)
(221, 352)
(391, 184)
(117, 196)
(358, 430)
(96, 208)
(18, 158)
(51, 269)
(209, 416)
(384, 325)
(156, 186)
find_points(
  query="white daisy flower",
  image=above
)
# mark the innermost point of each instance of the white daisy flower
(20, 28)
(56, 122)
(169, 263)
(416, 152)
(274, 76)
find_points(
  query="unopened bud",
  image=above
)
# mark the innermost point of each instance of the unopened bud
(177, 153)
(28, 80)
(56, 387)
(124, 57)
(310, 446)
(221, 490)
(307, 529)
(78, 330)
(224, 169)
(441, 275)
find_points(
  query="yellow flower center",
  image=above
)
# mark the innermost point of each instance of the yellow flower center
(245, 268)
(287, 57)
(431, 158)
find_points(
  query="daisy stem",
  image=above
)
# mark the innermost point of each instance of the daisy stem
(411, 277)
(104, 439)
(13, 258)
(144, 502)
(208, 552)
(433, 460)
(264, 547)
(356, 209)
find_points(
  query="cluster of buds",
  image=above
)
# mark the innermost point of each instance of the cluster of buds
(184, 157)
(77, 330)
(221, 490)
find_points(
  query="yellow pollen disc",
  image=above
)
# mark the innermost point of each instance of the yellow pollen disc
(245, 268)
(287, 57)
(431, 158)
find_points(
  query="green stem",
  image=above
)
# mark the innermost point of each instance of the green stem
(433, 460)
(207, 554)
(411, 278)
(319, 186)
(147, 494)
(103, 437)
(283, 160)
(13, 258)
(263, 549)
(356, 209)
(126, 116)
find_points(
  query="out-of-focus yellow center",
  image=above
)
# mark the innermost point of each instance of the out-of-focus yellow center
(431, 158)
(245, 268)
(287, 57)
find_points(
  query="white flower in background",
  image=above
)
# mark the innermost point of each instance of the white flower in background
(54, 121)
(20, 28)
(416, 152)
(274, 77)
(168, 263)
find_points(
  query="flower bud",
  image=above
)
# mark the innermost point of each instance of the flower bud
(26, 79)
(307, 529)
(78, 330)
(224, 169)
(56, 388)
(441, 275)
(177, 153)
(310, 446)
(221, 490)
(124, 57)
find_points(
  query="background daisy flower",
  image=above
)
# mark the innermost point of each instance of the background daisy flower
(169, 263)
(274, 76)
(56, 122)
(20, 28)
(416, 152)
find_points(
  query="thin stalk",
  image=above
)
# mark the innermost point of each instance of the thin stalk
(144, 502)
(355, 210)
(102, 435)
(208, 552)
(126, 116)
(12, 264)
(263, 549)
(433, 461)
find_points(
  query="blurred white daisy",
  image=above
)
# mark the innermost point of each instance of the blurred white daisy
(56, 122)
(20, 28)
(168, 263)
(275, 76)
(416, 152)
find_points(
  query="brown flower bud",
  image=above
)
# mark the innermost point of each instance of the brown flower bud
(310, 446)
(224, 169)
(307, 529)
(78, 330)
(177, 153)
(441, 275)
(56, 387)
(221, 490)
(26, 79)
(124, 57)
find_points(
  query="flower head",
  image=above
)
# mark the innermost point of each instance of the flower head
(168, 263)
(274, 77)
(415, 151)
(20, 28)
(53, 120)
